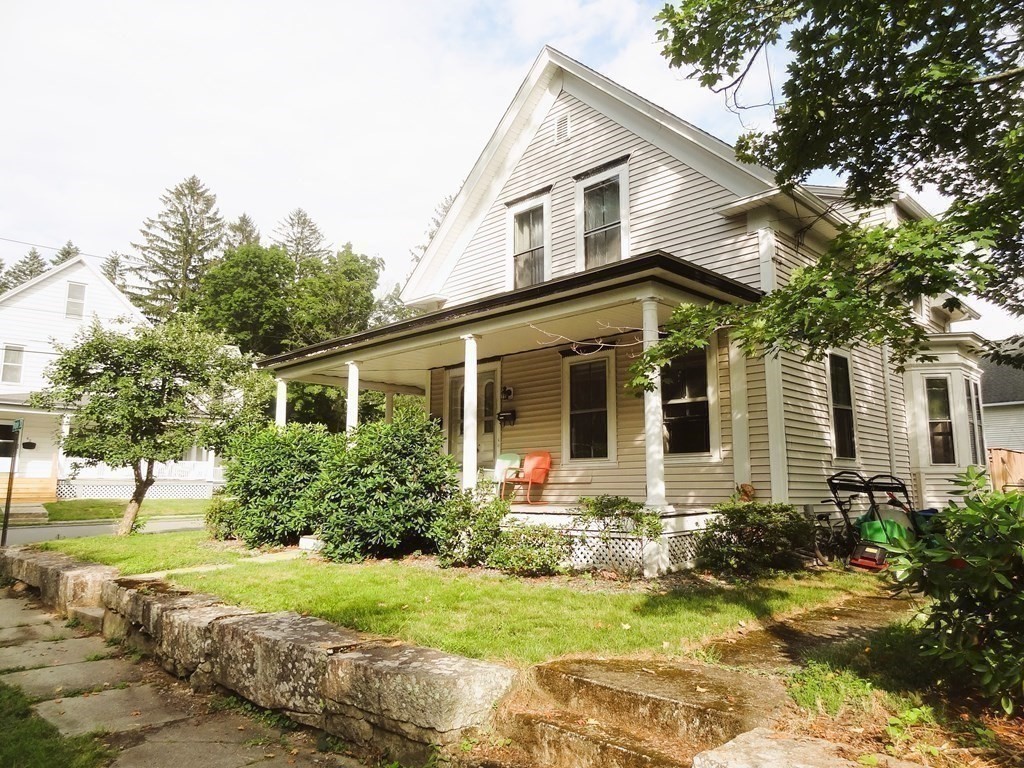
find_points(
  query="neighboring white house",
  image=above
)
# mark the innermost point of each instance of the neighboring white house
(1002, 397)
(53, 307)
(589, 216)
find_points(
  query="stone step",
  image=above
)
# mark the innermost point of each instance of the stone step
(695, 704)
(88, 617)
(554, 739)
(26, 517)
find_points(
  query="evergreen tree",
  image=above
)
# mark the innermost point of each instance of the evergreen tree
(440, 211)
(115, 269)
(178, 245)
(5, 279)
(67, 252)
(29, 266)
(301, 238)
(242, 231)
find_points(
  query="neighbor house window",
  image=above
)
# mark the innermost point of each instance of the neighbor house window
(589, 418)
(601, 200)
(13, 362)
(940, 421)
(74, 307)
(528, 246)
(685, 404)
(841, 392)
(974, 424)
(6, 441)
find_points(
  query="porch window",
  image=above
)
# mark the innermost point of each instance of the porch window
(6, 441)
(13, 363)
(940, 421)
(602, 223)
(589, 398)
(685, 404)
(74, 307)
(528, 246)
(978, 454)
(844, 428)
(489, 408)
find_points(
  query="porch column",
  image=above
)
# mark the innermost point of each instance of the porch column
(352, 399)
(389, 407)
(469, 415)
(281, 403)
(654, 443)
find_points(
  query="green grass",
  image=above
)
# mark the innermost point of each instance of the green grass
(145, 553)
(28, 741)
(502, 618)
(112, 509)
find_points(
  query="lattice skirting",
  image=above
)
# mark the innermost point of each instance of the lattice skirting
(84, 489)
(623, 553)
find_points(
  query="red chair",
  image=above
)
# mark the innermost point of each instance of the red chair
(535, 470)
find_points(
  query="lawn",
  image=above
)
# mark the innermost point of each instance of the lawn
(146, 553)
(112, 509)
(28, 741)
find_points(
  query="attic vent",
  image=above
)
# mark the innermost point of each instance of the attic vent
(562, 128)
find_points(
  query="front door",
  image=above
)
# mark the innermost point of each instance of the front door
(486, 424)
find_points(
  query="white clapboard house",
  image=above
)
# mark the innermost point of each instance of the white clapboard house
(33, 316)
(590, 214)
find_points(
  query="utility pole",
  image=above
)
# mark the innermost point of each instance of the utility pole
(16, 439)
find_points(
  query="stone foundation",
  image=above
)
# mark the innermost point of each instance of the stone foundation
(372, 692)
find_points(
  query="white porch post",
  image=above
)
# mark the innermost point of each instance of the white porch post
(389, 407)
(281, 403)
(469, 416)
(352, 399)
(65, 430)
(653, 430)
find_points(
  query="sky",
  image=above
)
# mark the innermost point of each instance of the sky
(365, 114)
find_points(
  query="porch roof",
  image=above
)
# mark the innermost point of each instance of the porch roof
(677, 279)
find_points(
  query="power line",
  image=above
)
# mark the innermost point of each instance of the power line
(47, 247)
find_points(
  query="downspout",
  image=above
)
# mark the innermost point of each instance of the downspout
(887, 393)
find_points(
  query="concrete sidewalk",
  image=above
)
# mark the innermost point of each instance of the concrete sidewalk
(82, 685)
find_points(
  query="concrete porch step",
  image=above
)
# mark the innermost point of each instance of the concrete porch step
(694, 704)
(26, 514)
(90, 618)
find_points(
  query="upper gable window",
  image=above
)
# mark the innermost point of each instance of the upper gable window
(74, 306)
(602, 202)
(529, 241)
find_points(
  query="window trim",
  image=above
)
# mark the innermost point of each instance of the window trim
(542, 199)
(67, 300)
(622, 173)
(951, 402)
(848, 355)
(714, 414)
(20, 366)
(610, 399)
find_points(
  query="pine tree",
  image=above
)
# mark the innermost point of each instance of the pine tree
(5, 279)
(115, 269)
(177, 247)
(241, 232)
(301, 238)
(67, 252)
(29, 266)
(440, 211)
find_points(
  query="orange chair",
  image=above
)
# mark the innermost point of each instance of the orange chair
(535, 470)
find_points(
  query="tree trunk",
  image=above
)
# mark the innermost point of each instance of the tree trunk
(142, 485)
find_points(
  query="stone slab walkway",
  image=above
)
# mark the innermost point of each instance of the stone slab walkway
(150, 718)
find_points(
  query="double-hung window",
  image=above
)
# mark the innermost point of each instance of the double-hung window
(940, 420)
(844, 428)
(685, 404)
(589, 418)
(974, 423)
(6, 441)
(74, 306)
(528, 246)
(13, 363)
(602, 221)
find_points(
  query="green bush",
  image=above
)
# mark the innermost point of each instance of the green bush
(468, 528)
(973, 571)
(531, 550)
(750, 538)
(268, 473)
(613, 517)
(381, 496)
(222, 516)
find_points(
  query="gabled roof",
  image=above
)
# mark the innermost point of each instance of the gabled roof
(509, 140)
(97, 275)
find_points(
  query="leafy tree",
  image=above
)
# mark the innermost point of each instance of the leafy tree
(924, 92)
(241, 231)
(115, 269)
(301, 238)
(66, 252)
(29, 266)
(147, 395)
(390, 308)
(177, 247)
(333, 297)
(245, 296)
